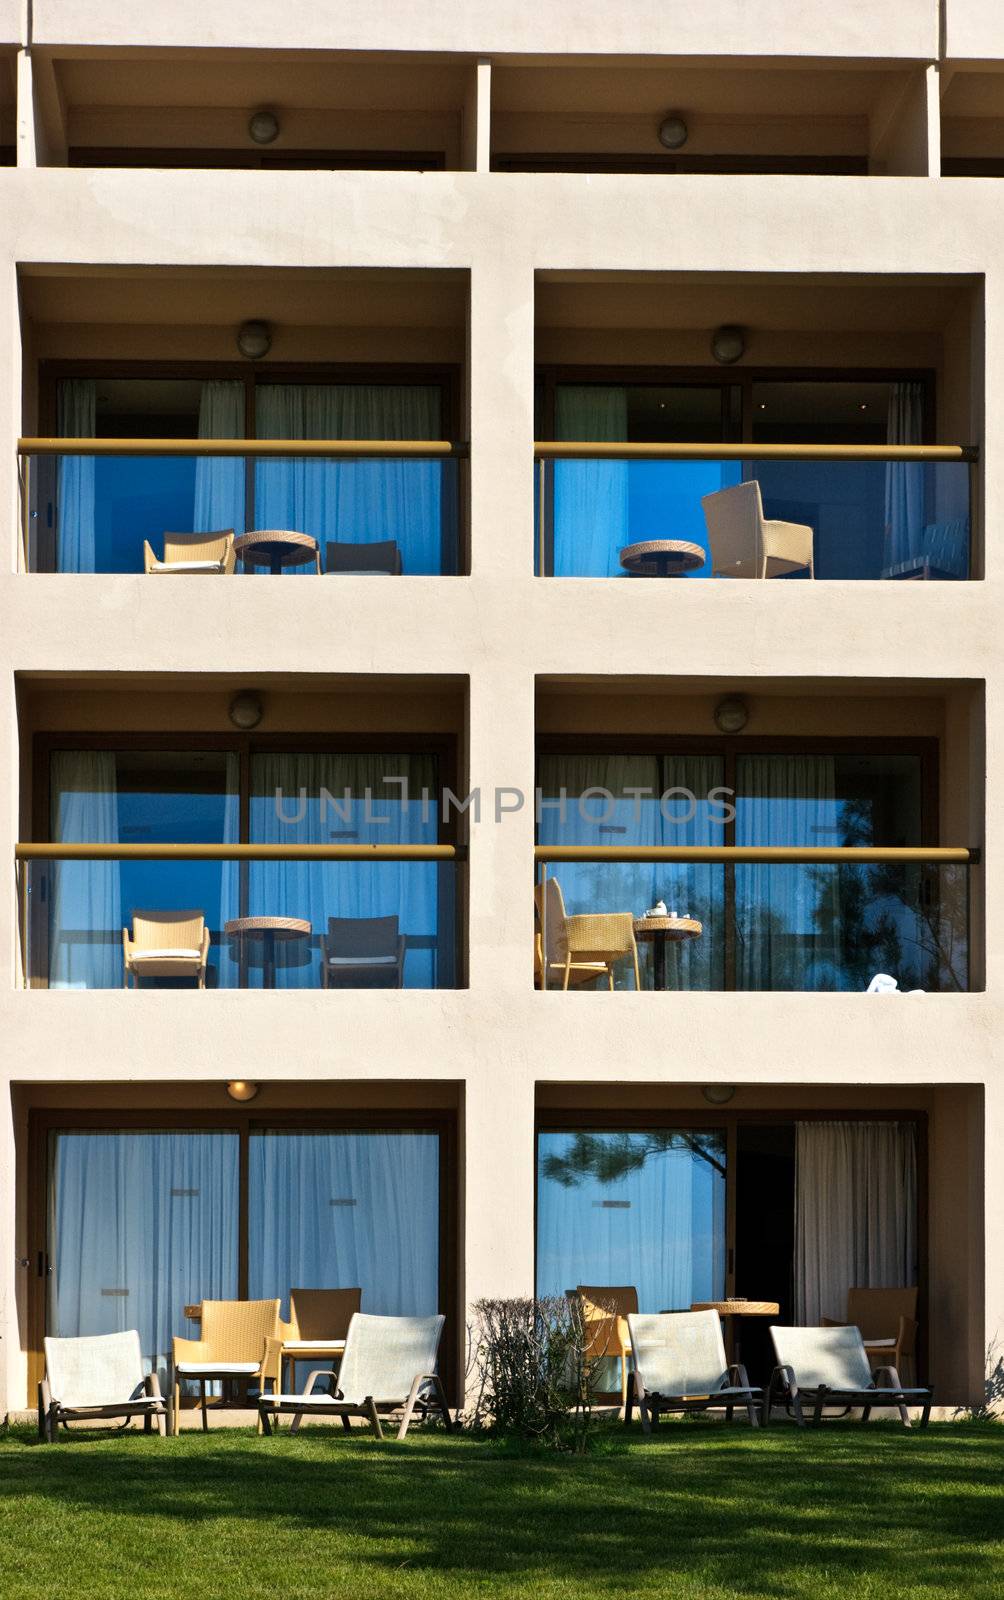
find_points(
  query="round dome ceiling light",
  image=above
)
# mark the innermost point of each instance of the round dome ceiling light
(254, 339)
(728, 343)
(263, 127)
(673, 133)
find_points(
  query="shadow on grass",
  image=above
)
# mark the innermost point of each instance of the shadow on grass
(787, 1513)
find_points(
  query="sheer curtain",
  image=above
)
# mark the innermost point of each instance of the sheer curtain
(85, 925)
(358, 502)
(904, 480)
(590, 497)
(695, 889)
(646, 1209)
(219, 480)
(855, 1212)
(340, 1210)
(76, 413)
(140, 1225)
(285, 785)
(787, 917)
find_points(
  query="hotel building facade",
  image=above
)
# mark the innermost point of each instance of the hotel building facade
(439, 310)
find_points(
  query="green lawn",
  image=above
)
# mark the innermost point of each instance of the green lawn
(702, 1510)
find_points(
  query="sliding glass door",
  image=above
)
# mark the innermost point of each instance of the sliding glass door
(141, 1224)
(144, 1222)
(341, 1210)
(765, 925)
(645, 1208)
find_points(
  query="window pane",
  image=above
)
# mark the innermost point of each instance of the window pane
(140, 1225)
(829, 927)
(645, 1208)
(595, 798)
(346, 1210)
(352, 799)
(138, 797)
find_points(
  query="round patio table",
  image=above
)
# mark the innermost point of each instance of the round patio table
(276, 548)
(661, 558)
(730, 1311)
(662, 931)
(266, 932)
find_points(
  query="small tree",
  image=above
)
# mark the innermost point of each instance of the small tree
(532, 1370)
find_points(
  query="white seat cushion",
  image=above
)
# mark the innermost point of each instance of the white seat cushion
(880, 1344)
(221, 1369)
(362, 961)
(187, 566)
(313, 1344)
(166, 955)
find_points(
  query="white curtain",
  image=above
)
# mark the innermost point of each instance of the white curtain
(85, 921)
(694, 889)
(140, 1225)
(650, 1212)
(855, 1212)
(219, 480)
(360, 502)
(590, 497)
(315, 890)
(787, 917)
(904, 480)
(76, 413)
(343, 1210)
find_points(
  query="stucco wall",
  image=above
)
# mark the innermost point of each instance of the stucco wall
(503, 630)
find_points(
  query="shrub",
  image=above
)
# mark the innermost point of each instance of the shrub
(531, 1370)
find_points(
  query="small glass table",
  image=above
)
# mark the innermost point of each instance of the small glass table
(276, 548)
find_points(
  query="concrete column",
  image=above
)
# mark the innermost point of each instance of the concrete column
(41, 115)
(497, 1157)
(905, 127)
(477, 119)
(500, 378)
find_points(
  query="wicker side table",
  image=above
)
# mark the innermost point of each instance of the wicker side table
(662, 931)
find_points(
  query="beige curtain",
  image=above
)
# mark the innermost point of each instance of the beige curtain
(855, 1212)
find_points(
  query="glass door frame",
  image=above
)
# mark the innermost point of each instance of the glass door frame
(553, 1120)
(448, 377)
(445, 748)
(43, 1124)
(730, 749)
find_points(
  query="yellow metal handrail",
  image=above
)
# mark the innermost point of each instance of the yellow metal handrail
(617, 450)
(238, 852)
(779, 855)
(417, 449)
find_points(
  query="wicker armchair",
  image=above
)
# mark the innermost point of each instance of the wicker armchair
(583, 948)
(888, 1325)
(206, 553)
(317, 1327)
(605, 1313)
(165, 944)
(240, 1339)
(746, 544)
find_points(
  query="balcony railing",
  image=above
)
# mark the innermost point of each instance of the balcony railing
(796, 511)
(293, 505)
(809, 919)
(241, 916)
